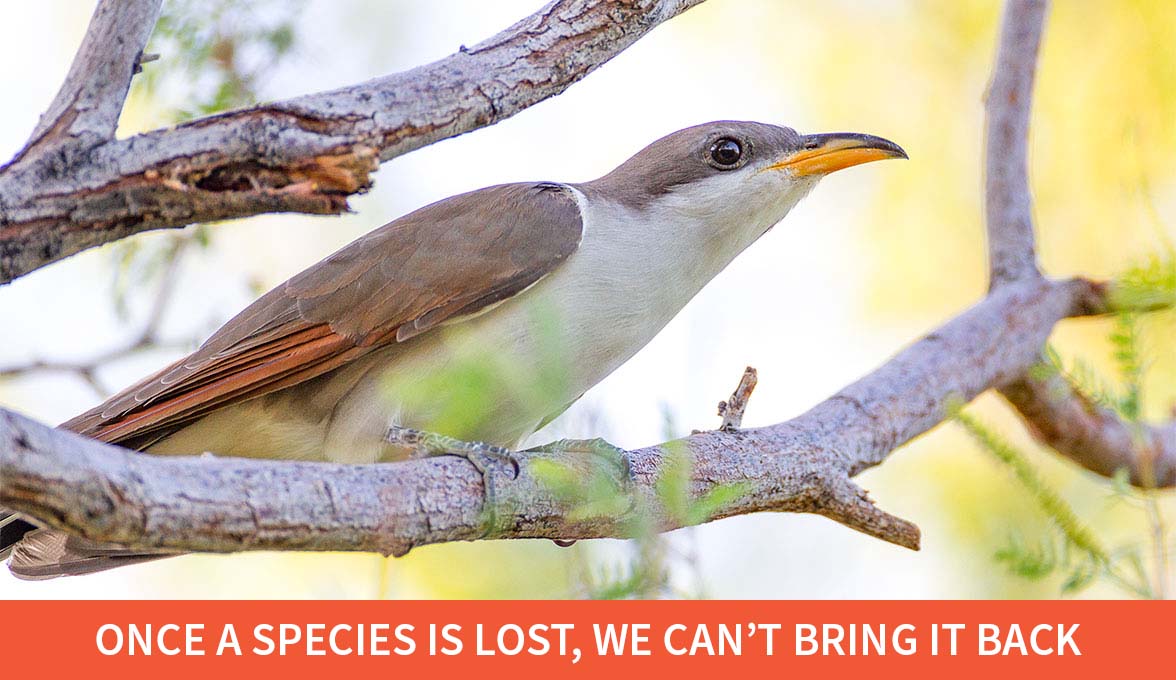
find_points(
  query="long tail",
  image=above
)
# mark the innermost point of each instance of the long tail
(12, 529)
(39, 554)
(36, 554)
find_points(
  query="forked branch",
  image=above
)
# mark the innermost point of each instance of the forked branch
(1058, 414)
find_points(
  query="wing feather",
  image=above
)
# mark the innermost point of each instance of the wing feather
(441, 262)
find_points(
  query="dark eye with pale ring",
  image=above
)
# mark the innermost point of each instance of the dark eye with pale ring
(726, 152)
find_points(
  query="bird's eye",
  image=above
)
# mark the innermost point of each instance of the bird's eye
(726, 152)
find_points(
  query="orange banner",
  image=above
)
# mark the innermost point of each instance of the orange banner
(710, 639)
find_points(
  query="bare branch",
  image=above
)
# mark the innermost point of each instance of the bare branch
(806, 464)
(1009, 204)
(306, 154)
(1093, 436)
(91, 99)
(1058, 414)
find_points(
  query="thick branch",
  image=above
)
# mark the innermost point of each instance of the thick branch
(301, 155)
(1009, 204)
(806, 464)
(803, 465)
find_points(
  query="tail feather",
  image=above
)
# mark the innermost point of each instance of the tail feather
(45, 553)
(36, 554)
(12, 528)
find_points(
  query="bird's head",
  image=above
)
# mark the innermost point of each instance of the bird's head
(728, 182)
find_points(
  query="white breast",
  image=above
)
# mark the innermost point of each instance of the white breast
(530, 357)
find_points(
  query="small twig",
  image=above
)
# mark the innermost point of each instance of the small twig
(144, 58)
(732, 409)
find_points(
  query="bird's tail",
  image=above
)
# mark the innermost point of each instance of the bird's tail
(36, 554)
(40, 554)
(12, 528)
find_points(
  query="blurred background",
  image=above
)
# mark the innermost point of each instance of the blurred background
(874, 258)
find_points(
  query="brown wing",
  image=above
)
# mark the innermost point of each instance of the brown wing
(443, 261)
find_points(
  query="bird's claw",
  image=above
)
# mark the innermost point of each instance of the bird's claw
(488, 459)
(607, 463)
(422, 444)
(613, 459)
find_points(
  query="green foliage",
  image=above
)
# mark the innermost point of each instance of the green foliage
(1052, 504)
(215, 53)
(1026, 560)
(620, 582)
(1089, 381)
(673, 489)
(1073, 551)
(479, 381)
(1150, 285)
(601, 492)
(1037, 561)
(1125, 350)
(1147, 285)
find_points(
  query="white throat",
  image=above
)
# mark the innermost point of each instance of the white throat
(636, 268)
(684, 237)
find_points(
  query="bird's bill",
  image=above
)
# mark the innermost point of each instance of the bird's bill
(825, 153)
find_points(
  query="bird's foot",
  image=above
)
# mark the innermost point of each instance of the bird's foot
(591, 475)
(612, 460)
(490, 460)
(422, 444)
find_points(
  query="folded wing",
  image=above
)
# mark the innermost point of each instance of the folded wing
(441, 262)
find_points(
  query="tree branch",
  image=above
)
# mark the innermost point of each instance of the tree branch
(1009, 205)
(1057, 414)
(1092, 436)
(90, 101)
(300, 155)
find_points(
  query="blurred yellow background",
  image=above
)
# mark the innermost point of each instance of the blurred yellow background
(872, 259)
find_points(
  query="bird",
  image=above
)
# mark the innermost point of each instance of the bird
(480, 317)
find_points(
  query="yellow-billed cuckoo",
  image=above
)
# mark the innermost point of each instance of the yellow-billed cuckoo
(553, 285)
